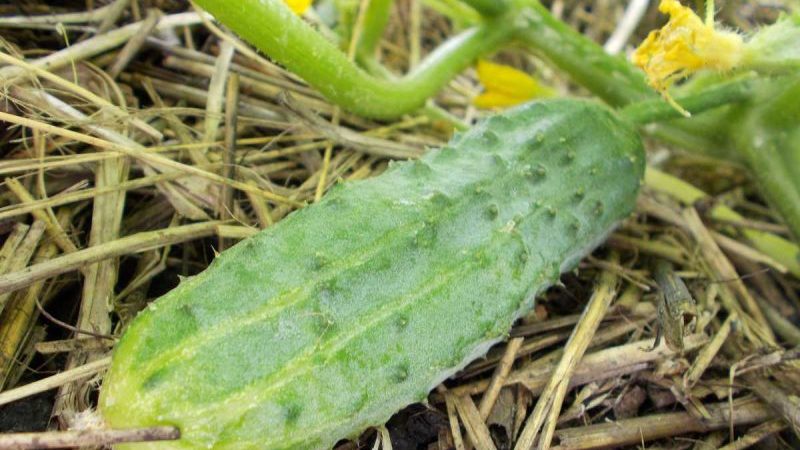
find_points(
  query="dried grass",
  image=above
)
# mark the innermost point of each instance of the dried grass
(138, 138)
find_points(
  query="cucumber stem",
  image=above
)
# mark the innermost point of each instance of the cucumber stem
(775, 180)
(376, 17)
(658, 110)
(609, 77)
(275, 30)
(488, 8)
(456, 10)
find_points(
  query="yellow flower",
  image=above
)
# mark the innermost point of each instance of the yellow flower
(298, 6)
(506, 86)
(685, 45)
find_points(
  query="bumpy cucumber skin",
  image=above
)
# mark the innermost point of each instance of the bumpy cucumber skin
(350, 309)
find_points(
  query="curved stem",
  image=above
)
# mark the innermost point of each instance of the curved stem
(609, 77)
(375, 19)
(275, 30)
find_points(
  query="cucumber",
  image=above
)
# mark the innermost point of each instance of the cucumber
(354, 307)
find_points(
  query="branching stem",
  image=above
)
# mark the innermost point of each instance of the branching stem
(274, 29)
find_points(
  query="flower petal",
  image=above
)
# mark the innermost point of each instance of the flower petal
(506, 86)
(683, 46)
(298, 6)
(494, 99)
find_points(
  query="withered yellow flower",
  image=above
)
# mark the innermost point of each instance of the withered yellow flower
(298, 6)
(685, 45)
(506, 86)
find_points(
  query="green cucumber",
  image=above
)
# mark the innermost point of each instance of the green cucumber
(350, 309)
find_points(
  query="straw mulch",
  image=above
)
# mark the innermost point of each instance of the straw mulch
(141, 139)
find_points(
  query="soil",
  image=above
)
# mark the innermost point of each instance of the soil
(26, 415)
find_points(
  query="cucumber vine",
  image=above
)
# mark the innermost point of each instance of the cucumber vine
(771, 57)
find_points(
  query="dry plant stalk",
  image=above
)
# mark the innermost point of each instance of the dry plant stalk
(634, 431)
(150, 124)
(85, 438)
(549, 405)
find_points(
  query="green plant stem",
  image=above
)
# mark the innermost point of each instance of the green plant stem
(275, 30)
(436, 113)
(376, 17)
(488, 7)
(609, 77)
(779, 115)
(777, 184)
(658, 110)
(619, 84)
(455, 10)
(766, 138)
